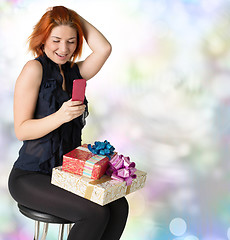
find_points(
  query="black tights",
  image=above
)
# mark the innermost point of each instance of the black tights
(93, 222)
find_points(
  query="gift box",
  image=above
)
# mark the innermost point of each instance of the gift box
(101, 191)
(82, 161)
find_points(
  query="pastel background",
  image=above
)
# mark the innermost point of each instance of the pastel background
(162, 98)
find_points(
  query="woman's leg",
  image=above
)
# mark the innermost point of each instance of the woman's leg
(35, 191)
(118, 216)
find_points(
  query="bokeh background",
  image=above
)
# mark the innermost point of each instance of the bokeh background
(162, 98)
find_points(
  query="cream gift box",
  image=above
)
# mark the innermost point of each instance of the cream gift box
(101, 191)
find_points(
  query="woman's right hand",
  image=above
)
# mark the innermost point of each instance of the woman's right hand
(25, 100)
(70, 110)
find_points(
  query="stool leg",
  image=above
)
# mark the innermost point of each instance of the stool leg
(61, 231)
(69, 226)
(45, 230)
(36, 231)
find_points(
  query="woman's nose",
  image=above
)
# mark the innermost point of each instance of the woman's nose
(63, 47)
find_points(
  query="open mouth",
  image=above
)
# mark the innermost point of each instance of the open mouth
(61, 55)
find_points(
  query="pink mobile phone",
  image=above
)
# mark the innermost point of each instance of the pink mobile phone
(78, 93)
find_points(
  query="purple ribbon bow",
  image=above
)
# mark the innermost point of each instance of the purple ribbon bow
(121, 169)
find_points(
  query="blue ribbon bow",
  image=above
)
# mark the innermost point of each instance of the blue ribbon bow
(102, 148)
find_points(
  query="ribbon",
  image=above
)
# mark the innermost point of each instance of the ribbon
(89, 164)
(102, 148)
(121, 169)
(90, 187)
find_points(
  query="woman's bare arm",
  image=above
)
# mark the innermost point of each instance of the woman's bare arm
(25, 100)
(100, 47)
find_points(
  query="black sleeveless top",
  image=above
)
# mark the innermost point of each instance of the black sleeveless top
(45, 153)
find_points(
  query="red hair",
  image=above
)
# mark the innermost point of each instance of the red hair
(57, 16)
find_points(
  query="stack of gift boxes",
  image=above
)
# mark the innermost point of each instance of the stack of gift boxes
(97, 173)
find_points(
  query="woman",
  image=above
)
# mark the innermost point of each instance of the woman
(49, 123)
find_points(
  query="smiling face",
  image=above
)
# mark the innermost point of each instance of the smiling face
(61, 44)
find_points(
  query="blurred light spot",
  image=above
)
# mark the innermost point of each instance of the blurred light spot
(228, 233)
(191, 237)
(178, 226)
(216, 46)
(190, 1)
(210, 5)
(134, 201)
(211, 237)
(183, 149)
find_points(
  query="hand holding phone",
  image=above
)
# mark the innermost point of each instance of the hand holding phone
(78, 93)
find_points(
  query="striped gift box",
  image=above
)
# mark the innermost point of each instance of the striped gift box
(82, 162)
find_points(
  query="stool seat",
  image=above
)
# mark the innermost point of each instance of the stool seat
(46, 219)
(41, 216)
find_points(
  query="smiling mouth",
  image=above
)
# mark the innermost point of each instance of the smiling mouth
(60, 55)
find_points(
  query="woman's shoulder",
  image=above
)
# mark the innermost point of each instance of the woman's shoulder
(32, 71)
(33, 65)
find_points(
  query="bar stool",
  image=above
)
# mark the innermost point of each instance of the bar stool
(46, 219)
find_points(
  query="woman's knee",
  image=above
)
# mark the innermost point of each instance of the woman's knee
(98, 214)
(124, 205)
(121, 205)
